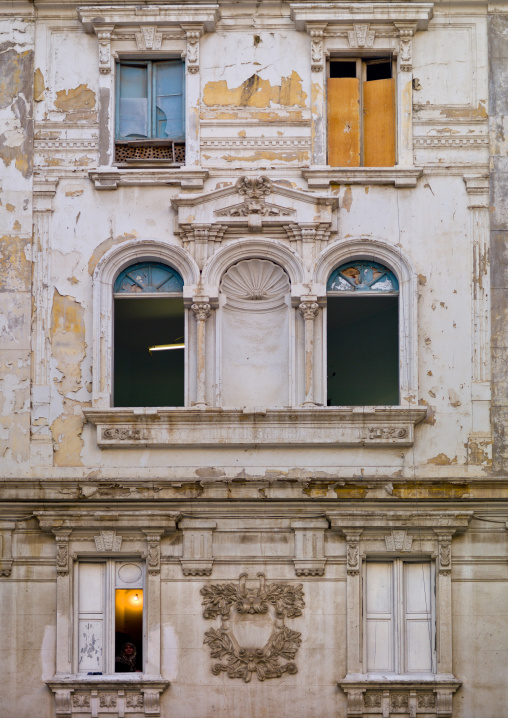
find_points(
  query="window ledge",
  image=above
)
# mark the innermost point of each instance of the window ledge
(394, 694)
(322, 177)
(155, 175)
(137, 694)
(306, 426)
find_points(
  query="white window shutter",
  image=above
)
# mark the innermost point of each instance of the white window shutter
(91, 590)
(380, 618)
(418, 617)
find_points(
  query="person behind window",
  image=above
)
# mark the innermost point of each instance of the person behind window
(126, 661)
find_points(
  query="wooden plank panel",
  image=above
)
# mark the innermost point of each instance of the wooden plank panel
(344, 122)
(379, 123)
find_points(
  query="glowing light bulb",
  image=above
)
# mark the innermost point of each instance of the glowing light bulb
(136, 597)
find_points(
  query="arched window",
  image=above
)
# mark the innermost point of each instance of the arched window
(148, 336)
(362, 335)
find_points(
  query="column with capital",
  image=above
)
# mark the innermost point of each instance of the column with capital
(202, 310)
(308, 310)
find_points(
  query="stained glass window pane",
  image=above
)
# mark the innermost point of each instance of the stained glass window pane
(362, 276)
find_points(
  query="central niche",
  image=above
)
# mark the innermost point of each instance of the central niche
(255, 358)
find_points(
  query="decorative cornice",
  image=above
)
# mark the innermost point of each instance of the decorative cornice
(322, 177)
(94, 16)
(347, 13)
(316, 426)
(148, 177)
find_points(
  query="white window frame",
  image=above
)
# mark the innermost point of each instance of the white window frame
(106, 271)
(108, 631)
(379, 251)
(398, 631)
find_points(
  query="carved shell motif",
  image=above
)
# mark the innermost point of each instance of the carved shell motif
(255, 280)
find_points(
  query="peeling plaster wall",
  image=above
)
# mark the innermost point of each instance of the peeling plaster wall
(16, 168)
(498, 54)
(253, 108)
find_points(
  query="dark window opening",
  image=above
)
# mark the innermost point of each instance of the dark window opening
(363, 350)
(343, 69)
(128, 630)
(143, 377)
(378, 69)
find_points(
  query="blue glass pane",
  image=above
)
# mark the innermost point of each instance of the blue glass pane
(133, 102)
(148, 277)
(169, 116)
(362, 276)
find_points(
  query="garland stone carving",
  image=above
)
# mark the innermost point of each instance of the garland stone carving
(258, 613)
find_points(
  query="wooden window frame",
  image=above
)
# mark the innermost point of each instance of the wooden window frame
(361, 75)
(399, 637)
(109, 563)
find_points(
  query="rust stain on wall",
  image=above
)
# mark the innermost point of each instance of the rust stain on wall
(256, 92)
(300, 156)
(66, 431)
(347, 200)
(16, 91)
(474, 113)
(15, 269)
(441, 490)
(68, 340)
(442, 460)
(39, 86)
(78, 99)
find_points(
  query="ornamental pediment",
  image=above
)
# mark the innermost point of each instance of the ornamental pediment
(253, 203)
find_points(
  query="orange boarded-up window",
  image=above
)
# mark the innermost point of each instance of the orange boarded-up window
(344, 122)
(379, 123)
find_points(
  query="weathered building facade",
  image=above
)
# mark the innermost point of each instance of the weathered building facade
(253, 359)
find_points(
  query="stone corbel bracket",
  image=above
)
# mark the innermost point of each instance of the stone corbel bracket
(193, 33)
(6, 560)
(197, 558)
(104, 33)
(406, 33)
(62, 550)
(309, 557)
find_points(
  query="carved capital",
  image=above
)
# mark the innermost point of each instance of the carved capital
(309, 310)
(202, 311)
(445, 551)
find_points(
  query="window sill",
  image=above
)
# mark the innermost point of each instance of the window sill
(151, 174)
(137, 694)
(395, 694)
(305, 426)
(322, 177)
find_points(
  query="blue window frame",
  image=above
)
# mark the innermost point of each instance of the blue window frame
(150, 100)
(148, 277)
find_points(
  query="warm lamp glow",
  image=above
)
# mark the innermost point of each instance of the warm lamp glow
(136, 597)
(165, 347)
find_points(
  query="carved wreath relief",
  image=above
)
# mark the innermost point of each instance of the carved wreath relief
(252, 637)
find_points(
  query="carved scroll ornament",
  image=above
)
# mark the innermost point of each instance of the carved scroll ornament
(252, 637)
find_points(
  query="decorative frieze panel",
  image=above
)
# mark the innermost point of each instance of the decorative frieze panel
(252, 637)
(197, 558)
(305, 426)
(309, 557)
